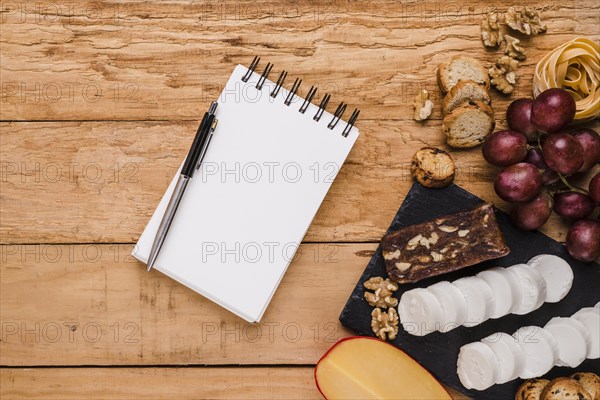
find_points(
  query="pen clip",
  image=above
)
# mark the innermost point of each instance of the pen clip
(205, 148)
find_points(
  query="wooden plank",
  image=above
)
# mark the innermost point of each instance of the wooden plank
(110, 60)
(164, 383)
(158, 383)
(68, 182)
(96, 305)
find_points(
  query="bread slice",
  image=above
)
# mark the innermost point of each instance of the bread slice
(565, 388)
(468, 125)
(463, 92)
(461, 68)
(531, 389)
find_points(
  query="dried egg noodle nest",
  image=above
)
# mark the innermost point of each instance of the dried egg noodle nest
(575, 67)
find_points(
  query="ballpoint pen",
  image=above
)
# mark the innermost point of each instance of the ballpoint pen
(192, 163)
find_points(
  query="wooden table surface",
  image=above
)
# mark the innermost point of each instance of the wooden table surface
(99, 104)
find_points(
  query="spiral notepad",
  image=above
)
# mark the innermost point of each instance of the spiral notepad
(272, 159)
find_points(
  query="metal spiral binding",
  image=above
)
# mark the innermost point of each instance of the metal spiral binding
(279, 84)
(311, 93)
(322, 107)
(339, 111)
(337, 116)
(293, 91)
(251, 69)
(264, 76)
(351, 122)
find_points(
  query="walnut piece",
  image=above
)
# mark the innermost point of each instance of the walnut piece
(382, 292)
(423, 106)
(385, 324)
(490, 30)
(526, 21)
(503, 75)
(513, 49)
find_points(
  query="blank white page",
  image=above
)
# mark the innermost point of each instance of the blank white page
(247, 208)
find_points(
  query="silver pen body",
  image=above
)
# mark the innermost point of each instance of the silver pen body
(167, 219)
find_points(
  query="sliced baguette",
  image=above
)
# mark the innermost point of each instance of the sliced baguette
(463, 92)
(461, 68)
(468, 125)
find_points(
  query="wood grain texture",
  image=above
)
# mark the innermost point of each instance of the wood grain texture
(164, 383)
(73, 182)
(159, 383)
(96, 305)
(141, 73)
(112, 60)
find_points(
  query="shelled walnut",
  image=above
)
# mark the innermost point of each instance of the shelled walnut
(490, 30)
(385, 324)
(503, 75)
(513, 48)
(526, 21)
(423, 106)
(382, 292)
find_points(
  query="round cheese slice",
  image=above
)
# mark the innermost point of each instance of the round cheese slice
(480, 299)
(533, 288)
(540, 350)
(477, 366)
(557, 273)
(454, 305)
(572, 338)
(590, 318)
(501, 286)
(516, 287)
(509, 355)
(420, 312)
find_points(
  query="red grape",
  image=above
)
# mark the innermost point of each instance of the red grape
(590, 141)
(573, 205)
(552, 110)
(504, 148)
(518, 183)
(583, 240)
(549, 177)
(518, 116)
(595, 188)
(535, 157)
(533, 214)
(563, 153)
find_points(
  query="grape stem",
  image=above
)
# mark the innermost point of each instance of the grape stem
(573, 188)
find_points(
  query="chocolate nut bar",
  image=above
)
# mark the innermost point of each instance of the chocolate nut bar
(443, 245)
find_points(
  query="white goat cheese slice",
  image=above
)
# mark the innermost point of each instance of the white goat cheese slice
(501, 286)
(572, 338)
(477, 366)
(557, 273)
(454, 305)
(507, 350)
(590, 318)
(420, 312)
(480, 299)
(540, 349)
(516, 287)
(533, 288)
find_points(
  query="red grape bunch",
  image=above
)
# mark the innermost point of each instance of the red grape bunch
(538, 157)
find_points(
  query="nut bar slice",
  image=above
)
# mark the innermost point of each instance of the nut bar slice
(443, 245)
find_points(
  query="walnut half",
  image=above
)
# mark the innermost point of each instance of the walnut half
(423, 106)
(382, 292)
(513, 48)
(490, 30)
(503, 75)
(526, 21)
(385, 324)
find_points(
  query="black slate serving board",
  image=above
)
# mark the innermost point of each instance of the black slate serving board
(438, 352)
